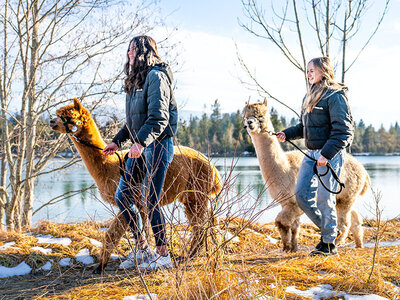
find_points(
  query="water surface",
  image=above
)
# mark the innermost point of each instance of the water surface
(247, 187)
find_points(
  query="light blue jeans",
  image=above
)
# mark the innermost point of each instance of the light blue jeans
(316, 202)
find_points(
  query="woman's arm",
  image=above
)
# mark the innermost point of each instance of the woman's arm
(158, 98)
(342, 129)
(121, 136)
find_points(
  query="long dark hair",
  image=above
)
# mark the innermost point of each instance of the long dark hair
(146, 58)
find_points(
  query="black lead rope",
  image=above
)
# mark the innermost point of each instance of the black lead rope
(121, 162)
(319, 175)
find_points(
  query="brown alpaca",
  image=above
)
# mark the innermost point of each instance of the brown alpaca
(190, 178)
(279, 170)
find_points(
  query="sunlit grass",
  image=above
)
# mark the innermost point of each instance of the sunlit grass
(246, 269)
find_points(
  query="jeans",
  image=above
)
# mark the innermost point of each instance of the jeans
(144, 181)
(316, 202)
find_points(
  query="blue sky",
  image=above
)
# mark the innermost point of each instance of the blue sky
(207, 31)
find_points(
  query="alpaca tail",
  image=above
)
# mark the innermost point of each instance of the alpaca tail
(216, 180)
(366, 186)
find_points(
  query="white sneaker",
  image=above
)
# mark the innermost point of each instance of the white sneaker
(139, 257)
(161, 262)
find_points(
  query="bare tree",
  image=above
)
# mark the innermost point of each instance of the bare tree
(52, 51)
(298, 28)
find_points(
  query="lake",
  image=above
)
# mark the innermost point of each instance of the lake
(248, 194)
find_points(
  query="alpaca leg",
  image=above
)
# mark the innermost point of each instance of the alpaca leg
(356, 228)
(111, 240)
(196, 213)
(295, 228)
(343, 224)
(284, 229)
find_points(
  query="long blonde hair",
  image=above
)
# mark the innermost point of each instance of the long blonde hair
(317, 91)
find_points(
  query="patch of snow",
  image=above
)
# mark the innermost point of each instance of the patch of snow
(140, 297)
(28, 233)
(229, 236)
(49, 239)
(84, 257)
(21, 269)
(381, 244)
(325, 291)
(104, 229)
(46, 266)
(115, 256)
(64, 262)
(7, 246)
(364, 297)
(271, 239)
(322, 272)
(42, 250)
(254, 232)
(396, 288)
(96, 243)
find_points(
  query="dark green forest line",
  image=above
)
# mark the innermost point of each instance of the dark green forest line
(224, 134)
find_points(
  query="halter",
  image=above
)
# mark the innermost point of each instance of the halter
(67, 121)
(315, 169)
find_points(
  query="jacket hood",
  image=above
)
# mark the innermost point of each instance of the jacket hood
(330, 92)
(165, 68)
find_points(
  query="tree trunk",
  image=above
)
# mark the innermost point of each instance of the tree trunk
(328, 22)
(344, 47)
(3, 185)
(31, 122)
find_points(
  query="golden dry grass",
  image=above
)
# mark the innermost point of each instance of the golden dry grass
(250, 268)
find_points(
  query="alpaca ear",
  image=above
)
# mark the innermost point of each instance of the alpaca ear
(265, 101)
(77, 104)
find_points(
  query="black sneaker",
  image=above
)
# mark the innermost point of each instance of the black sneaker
(319, 245)
(325, 249)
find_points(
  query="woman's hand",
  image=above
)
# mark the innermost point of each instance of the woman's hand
(281, 136)
(322, 161)
(135, 151)
(110, 149)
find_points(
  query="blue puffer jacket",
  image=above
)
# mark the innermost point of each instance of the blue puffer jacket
(329, 126)
(151, 112)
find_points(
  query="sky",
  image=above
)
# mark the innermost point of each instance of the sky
(207, 31)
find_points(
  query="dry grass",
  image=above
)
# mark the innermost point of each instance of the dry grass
(246, 269)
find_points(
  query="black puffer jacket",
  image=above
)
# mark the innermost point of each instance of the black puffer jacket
(329, 126)
(151, 112)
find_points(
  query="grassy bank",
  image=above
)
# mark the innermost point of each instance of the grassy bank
(248, 266)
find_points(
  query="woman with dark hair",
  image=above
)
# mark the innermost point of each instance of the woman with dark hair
(326, 125)
(151, 122)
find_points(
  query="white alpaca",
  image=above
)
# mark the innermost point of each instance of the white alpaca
(279, 170)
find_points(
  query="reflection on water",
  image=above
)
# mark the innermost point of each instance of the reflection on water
(383, 170)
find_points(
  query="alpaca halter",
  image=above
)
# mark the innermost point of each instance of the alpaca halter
(67, 121)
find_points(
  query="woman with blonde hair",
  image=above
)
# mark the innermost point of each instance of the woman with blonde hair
(326, 125)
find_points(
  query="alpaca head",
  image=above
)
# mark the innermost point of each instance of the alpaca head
(71, 118)
(256, 117)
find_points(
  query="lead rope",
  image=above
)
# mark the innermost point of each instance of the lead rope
(315, 169)
(121, 162)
